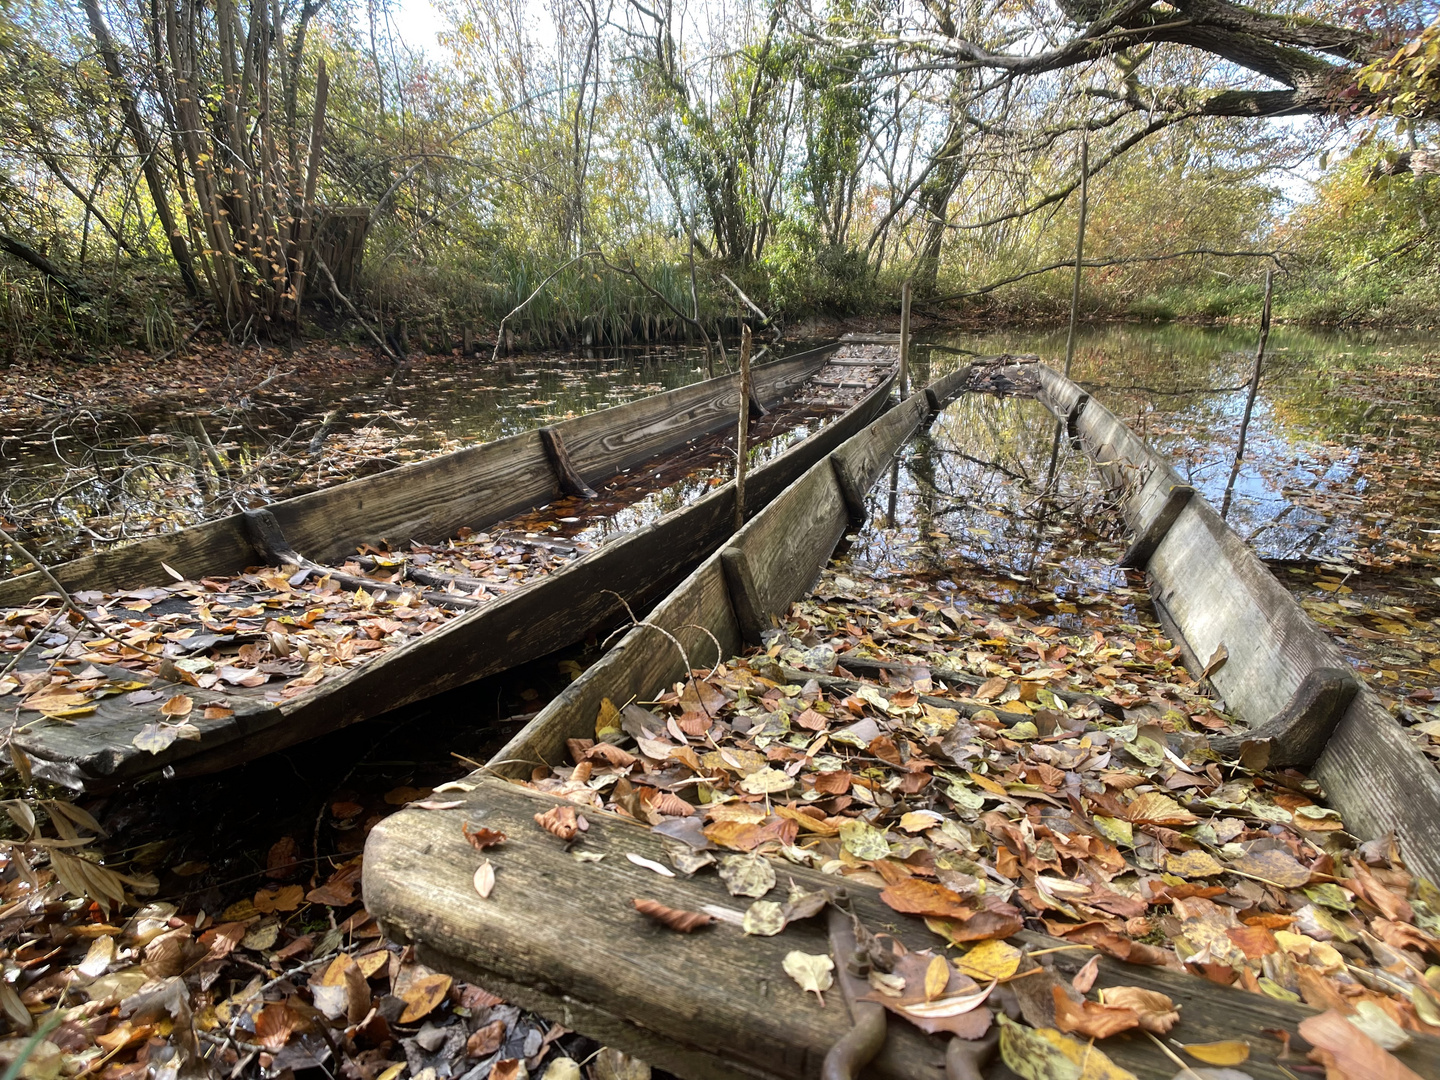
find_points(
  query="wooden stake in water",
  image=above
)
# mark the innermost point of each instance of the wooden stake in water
(742, 434)
(1079, 252)
(905, 339)
(1250, 397)
(1074, 298)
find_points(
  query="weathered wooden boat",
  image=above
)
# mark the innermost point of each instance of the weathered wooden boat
(558, 935)
(94, 747)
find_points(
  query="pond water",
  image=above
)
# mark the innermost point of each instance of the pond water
(1338, 488)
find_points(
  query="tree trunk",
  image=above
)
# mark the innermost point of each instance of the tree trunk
(151, 167)
(26, 253)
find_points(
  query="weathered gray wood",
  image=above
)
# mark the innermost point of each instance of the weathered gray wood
(560, 936)
(274, 549)
(1137, 555)
(1295, 737)
(428, 500)
(570, 481)
(1073, 416)
(777, 557)
(654, 425)
(1210, 589)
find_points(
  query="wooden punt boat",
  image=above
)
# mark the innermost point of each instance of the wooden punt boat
(558, 936)
(93, 746)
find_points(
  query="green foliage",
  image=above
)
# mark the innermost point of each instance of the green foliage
(1369, 245)
(809, 275)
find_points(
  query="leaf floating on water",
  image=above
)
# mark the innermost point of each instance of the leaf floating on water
(811, 972)
(686, 922)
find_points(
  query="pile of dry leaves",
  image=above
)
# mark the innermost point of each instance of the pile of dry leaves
(991, 771)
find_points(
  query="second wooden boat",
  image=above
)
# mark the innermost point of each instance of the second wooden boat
(242, 672)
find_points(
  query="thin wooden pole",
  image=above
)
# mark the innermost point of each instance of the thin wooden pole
(1074, 296)
(1250, 397)
(1079, 252)
(742, 433)
(905, 339)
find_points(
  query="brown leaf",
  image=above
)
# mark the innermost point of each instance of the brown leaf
(285, 898)
(284, 859)
(1153, 808)
(1348, 1053)
(1085, 978)
(610, 755)
(1090, 1018)
(559, 821)
(811, 720)
(422, 995)
(671, 805)
(1157, 1012)
(1277, 867)
(1217, 660)
(274, 1024)
(916, 897)
(684, 921)
(179, 705)
(486, 1040)
(482, 838)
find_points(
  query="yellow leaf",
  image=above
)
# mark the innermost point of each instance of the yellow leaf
(993, 959)
(1230, 1052)
(1193, 864)
(423, 995)
(937, 975)
(608, 721)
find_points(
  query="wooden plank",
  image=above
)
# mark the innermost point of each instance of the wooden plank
(559, 936)
(776, 558)
(425, 501)
(657, 424)
(1137, 555)
(947, 388)
(570, 481)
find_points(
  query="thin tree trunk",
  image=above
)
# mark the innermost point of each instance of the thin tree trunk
(151, 167)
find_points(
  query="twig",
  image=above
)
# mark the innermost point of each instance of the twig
(747, 301)
(500, 330)
(334, 288)
(69, 601)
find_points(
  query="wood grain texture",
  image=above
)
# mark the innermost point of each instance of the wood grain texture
(425, 501)
(560, 936)
(654, 425)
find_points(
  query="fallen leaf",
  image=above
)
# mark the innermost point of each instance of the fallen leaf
(937, 975)
(650, 864)
(1348, 1053)
(1229, 1052)
(423, 995)
(177, 706)
(1217, 661)
(1156, 1011)
(1085, 978)
(990, 960)
(1093, 1019)
(916, 897)
(1046, 1054)
(485, 880)
(684, 921)
(812, 972)
(747, 875)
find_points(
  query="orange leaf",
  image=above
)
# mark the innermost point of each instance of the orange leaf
(179, 705)
(1090, 1018)
(1348, 1053)
(915, 897)
(422, 995)
(684, 921)
(482, 838)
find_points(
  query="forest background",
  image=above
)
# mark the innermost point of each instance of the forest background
(168, 165)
